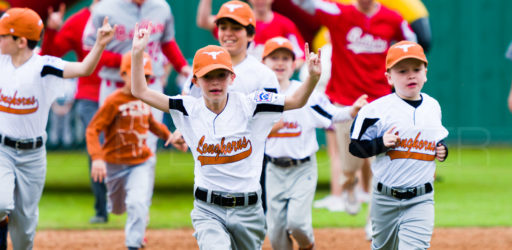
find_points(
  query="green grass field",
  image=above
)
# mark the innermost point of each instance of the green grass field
(473, 190)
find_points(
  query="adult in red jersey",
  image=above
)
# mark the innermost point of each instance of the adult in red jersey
(269, 24)
(58, 40)
(365, 30)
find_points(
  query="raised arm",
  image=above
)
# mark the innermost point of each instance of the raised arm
(87, 66)
(204, 18)
(301, 95)
(139, 85)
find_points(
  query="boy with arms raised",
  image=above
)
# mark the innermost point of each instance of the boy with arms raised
(290, 153)
(28, 86)
(404, 131)
(227, 132)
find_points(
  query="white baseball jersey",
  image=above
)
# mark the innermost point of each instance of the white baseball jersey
(227, 147)
(298, 137)
(27, 93)
(251, 75)
(411, 163)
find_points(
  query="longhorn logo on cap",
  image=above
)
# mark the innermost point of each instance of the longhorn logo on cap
(279, 40)
(213, 54)
(405, 47)
(233, 7)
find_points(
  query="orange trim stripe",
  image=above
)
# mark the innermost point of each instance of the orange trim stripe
(395, 154)
(18, 111)
(274, 135)
(215, 160)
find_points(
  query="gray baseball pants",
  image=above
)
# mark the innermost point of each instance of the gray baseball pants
(290, 193)
(22, 176)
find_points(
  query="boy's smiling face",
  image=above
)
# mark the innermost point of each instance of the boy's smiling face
(408, 77)
(214, 85)
(233, 37)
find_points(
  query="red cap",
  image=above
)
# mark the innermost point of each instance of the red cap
(403, 50)
(276, 43)
(126, 64)
(238, 11)
(21, 22)
(211, 58)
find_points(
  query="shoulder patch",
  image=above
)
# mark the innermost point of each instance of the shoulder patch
(263, 96)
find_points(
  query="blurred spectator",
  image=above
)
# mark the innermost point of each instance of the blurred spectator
(59, 39)
(60, 132)
(269, 24)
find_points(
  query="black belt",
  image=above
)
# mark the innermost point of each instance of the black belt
(226, 199)
(22, 143)
(405, 193)
(286, 161)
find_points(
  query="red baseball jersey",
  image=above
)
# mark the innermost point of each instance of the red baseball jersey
(360, 44)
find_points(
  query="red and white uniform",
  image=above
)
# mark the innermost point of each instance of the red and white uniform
(360, 44)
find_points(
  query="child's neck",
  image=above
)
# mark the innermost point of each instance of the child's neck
(264, 15)
(284, 84)
(216, 107)
(237, 59)
(21, 57)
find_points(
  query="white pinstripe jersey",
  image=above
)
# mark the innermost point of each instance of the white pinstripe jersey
(27, 93)
(227, 147)
(411, 163)
(297, 139)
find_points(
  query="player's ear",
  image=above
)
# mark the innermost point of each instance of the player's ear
(194, 80)
(233, 76)
(388, 77)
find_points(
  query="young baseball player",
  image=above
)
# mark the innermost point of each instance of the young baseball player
(28, 86)
(236, 29)
(226, 131)
(125, 160)
(291, 172)
(404, 131)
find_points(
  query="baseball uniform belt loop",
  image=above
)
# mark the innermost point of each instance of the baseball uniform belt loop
(227, 199)
(405, 193)
(31, 143)
(286, 161)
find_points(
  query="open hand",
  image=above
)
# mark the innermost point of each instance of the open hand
(105, 33)
(390, 139)
(55, 18)
(98, 170)
(358, 104)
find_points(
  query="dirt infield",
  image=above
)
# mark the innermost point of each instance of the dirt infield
(335, 238)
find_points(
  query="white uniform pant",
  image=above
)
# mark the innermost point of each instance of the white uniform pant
(401, 224)
(22, 176)
(223, 228)
(129, 189)
(290, 193)
(107, 89)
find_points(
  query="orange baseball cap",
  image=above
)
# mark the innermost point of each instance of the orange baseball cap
(276, 43)
(126, 64)
(238, 11)
(403, 50)
(211, 58)
(21, 22)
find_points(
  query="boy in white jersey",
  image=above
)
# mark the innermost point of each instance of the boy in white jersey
(226, 133)
(404, 131)
(28, 86)
(291, 172)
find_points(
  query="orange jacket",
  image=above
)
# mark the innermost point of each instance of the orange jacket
(125, 121)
